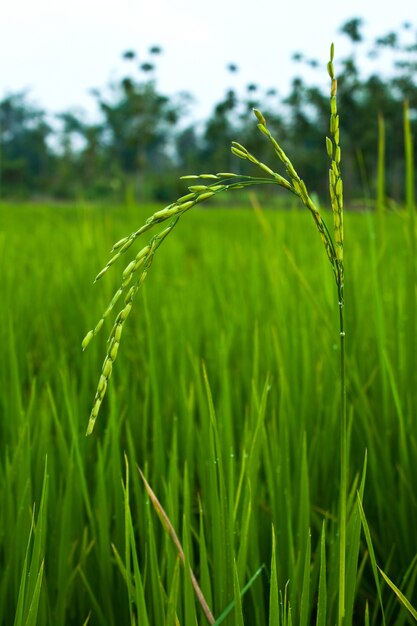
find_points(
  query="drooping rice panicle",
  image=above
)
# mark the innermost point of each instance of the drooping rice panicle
(335, 177)
(298, 187)
(141, 268)
(136, 270)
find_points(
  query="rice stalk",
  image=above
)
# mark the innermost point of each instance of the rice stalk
(336, 196)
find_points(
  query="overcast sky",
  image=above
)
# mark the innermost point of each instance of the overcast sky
(60, 49)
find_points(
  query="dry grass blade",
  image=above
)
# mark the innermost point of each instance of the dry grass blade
(171, 531)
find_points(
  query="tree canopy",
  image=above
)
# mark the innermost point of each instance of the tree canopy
(143, 139)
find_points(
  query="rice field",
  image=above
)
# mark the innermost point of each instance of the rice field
(226, 396)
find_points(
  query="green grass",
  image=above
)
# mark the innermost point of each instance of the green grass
(250, 447)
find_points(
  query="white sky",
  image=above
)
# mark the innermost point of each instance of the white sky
(61, 49)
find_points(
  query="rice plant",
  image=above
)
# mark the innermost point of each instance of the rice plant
(227, 395)
(210, 185)
(136, 271)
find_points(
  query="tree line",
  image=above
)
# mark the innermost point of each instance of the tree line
(141, 142)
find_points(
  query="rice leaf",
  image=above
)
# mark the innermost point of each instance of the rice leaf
(322, 593)
(274, 612)
(405, 603)
(371, 555)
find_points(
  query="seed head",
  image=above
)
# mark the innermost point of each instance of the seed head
(239, 153)
(329, 147)
(198, 188)
(188, 196)
(263, 129)
(205, 196)
(165, 213)
(107, 367)
(119, 243)
(124, 313)
(98, 326)
(114, 347)
(128, 269)
(259, 117)
(87, 339)
(118, 332)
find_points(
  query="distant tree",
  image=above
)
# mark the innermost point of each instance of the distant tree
(144, 138)
(66, 179)
(220, 130)
(24, 152)
(352, 28)
(129, 55)
(187, 143)
(362, 98)
(82, 163)
(140, 123)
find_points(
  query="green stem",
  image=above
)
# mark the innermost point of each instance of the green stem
(343, 457)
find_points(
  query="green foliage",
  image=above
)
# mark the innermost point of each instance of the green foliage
(228, 464)
(230, 291)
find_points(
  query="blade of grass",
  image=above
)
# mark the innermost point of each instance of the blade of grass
(366, 614)
(244, 589)
(405, 603)
(32, 575)
(305, 594)
(322, 593)
(190, 582)
(371, 555)
(128, 546)
(32, 614)
(205, 582)
(237, 599)
(274, 612)
(171, 618)
(219, 507)
(87, 619)
(353, 545)
(22, 589)
(93, 598)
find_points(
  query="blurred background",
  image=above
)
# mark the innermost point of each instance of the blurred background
(99, 101)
